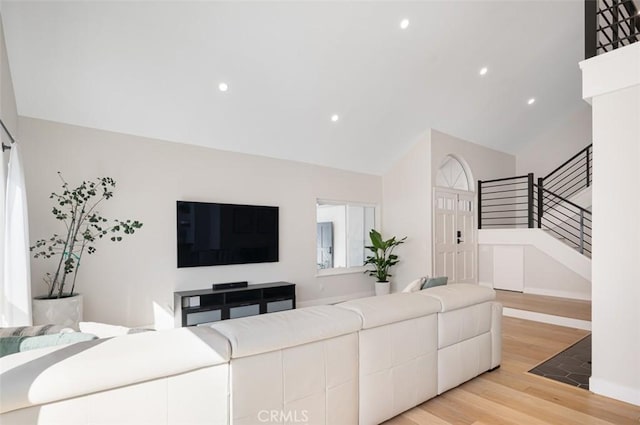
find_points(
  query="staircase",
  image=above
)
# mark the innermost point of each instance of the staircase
(566, 194)
(535, 233)
(558, 203)
(609, 25)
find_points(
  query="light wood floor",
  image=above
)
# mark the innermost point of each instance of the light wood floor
(565, 307)
(511, 396)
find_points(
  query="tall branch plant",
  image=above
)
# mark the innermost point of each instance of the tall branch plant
(77, 209)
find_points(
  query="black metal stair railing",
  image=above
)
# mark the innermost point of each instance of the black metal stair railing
(609, 24)
(566, 220)
(517, 202)
(573, 176)
(506, 203)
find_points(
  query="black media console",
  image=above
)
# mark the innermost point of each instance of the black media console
(204, 306)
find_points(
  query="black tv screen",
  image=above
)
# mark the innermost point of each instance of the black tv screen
(216, 234)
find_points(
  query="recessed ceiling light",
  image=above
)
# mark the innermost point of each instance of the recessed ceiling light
(223, 87)
(404, 24)
(531, 101)
(484, 70)
(335, 118)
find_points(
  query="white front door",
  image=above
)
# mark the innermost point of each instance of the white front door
(455, 243)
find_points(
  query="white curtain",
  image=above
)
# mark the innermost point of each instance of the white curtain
(16, 285)
(3, 187)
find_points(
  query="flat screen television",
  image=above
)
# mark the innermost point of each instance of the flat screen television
(212, 234)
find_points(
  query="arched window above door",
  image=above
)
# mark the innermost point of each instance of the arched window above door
(452, 174)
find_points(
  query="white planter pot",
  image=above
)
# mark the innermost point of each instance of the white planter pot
(58, 311)
(383, 288)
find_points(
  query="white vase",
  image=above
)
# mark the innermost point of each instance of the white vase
(383, 288)
(58, 311)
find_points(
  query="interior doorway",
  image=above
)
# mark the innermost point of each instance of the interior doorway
(455, 241)
(325, 245)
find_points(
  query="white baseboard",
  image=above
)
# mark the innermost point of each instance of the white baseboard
(334, 300)
(619, 392)
(555, 293)
(547, 318)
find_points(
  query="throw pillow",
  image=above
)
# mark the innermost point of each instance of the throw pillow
(434, 281)
(16, 344)
(33, 330)
(415, 285)
(103, 330)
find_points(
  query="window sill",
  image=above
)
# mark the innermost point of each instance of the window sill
(339, 271)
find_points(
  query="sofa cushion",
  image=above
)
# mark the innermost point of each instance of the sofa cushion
(318, 379)
(455, 326)
(56, 373)
(275, 331)
(398, 367)
(16, 344)
(459, 295)
(461, 362)
(382, 310)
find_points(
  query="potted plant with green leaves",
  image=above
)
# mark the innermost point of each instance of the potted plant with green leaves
(76, 207)
(382, 259)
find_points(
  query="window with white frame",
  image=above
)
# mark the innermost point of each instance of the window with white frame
(342, 233)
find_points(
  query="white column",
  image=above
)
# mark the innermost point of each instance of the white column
(611, 82)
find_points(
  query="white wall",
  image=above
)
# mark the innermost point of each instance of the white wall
(612, 81)
(359, 222)
(407, 193)
(534, 272)
(122, 282)
(485, 163)
(544, 275)
(545, 152)
(407, 212)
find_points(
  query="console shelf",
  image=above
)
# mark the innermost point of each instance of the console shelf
(203, 306)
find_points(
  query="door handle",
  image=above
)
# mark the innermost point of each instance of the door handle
(458, 236)
(460, 241)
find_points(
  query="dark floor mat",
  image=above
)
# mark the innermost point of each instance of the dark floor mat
(572, 366)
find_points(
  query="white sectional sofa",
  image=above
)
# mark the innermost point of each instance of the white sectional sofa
(469, 332)
(361, 361)
(398, 365)
(417, 345)
(294, 366)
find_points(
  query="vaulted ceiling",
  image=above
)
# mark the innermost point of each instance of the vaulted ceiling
(153, 68)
